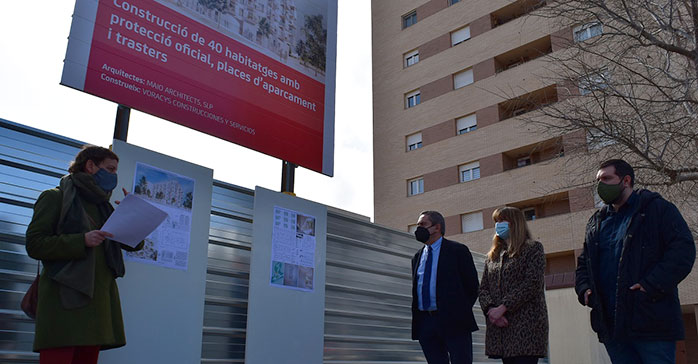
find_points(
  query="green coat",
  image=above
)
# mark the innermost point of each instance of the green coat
(97, 324)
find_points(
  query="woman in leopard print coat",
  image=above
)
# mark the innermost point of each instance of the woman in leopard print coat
(512, 292)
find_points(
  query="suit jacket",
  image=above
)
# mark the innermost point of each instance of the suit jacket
(456, 290)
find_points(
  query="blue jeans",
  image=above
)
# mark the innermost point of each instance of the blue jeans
(638, 352)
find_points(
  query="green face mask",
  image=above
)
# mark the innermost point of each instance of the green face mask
(609, 193)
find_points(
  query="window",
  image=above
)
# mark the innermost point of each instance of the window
(415, 186)
(409, 19)
(466, 124)
(471, 222)
(414, 141)
(529, 213)
(461, 35)
(451, 2)
(597, 139)
(593, 81)
(469, 172)
(412, 99)
(463, 78)
(411, 228)
(587, 31)
(523, 161)
(411, 57)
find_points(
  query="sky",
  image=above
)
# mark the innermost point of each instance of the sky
(33, 42)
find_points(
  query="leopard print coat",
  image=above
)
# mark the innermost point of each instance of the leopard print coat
(519, 284)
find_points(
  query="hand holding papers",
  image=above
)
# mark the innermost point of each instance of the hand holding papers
(133, 220)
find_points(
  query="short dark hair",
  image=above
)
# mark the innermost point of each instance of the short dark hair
(622, 168)
(435, 218)
(90, 153)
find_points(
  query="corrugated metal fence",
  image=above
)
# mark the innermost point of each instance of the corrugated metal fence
(367, 310)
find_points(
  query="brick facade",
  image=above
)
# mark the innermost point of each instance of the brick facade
(487, 116)
(434, 46)
(436, 88)
(430, 8)
(439, 132)
(481, 25)
(491, 165)
(440, 179)
(581, 199)
(484, 69)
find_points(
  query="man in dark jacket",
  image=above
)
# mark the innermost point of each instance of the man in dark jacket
(444, 289)
(637, 249)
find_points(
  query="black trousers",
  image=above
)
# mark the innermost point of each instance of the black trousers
(520, 360)
(439, 349)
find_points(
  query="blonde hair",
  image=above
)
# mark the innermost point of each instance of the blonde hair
(518, 232)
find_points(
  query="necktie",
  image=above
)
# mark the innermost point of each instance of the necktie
(426, 281)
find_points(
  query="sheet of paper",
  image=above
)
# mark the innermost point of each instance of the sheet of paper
(293, 250)
(168, 245)
(133, 220)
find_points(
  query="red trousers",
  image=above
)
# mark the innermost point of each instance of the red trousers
(69, 355)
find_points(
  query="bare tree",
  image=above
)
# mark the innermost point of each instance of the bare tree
(628, 80)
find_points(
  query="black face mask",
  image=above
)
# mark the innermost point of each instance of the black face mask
(610, 193)
(422, 234)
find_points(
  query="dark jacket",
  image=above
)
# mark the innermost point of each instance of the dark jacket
(456, 290)
(658, 252)
(518, 283)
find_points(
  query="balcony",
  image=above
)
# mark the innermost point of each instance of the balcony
(533, 154)
(528, 102)
(523, 54)
(546, 206)
(514, 10)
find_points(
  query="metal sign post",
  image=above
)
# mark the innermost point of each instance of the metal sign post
(288, 176)
(123, 113)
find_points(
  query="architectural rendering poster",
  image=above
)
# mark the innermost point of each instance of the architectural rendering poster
(259, 73)
(168, 245)
(292, 250)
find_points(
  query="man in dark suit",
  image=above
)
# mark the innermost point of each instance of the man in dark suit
(444, 289)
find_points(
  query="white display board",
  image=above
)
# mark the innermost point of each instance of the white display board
(286, 310)
(163, 304)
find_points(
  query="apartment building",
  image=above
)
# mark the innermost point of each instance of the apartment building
(452, 83)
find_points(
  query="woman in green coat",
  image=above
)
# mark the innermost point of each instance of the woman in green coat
(79, 312)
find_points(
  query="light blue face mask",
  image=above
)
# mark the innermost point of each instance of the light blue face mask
(502, 229)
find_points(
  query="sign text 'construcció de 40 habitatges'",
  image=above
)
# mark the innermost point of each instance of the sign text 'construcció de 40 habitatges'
(258, 73)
